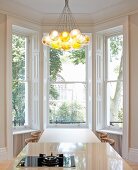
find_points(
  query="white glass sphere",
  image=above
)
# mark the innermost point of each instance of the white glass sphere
(54, 35)
(46, 40)
(74, 33)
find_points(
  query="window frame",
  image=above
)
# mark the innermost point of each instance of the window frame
(69, 82)
(101, 117)
(33, 69)
(88, 52)
(106, 79)
(26, 80)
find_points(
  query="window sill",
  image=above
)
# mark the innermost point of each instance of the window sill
(22, 131)
(111, 131)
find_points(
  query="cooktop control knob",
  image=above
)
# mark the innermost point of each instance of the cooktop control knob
(22, 163)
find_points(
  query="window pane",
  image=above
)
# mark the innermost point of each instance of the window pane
(69, 105)
(19, 84)
(18, 57)
(67, 87)
(115, 53)
(115, 103)
(67, 66)
(18, 103)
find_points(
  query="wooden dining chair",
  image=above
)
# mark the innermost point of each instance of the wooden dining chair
(36, 134)
(31, 140)
(108, 140)
(102, 135)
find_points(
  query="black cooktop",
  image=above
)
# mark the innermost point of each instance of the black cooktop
(59, 160)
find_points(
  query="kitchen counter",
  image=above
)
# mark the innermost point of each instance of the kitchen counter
(88, 156)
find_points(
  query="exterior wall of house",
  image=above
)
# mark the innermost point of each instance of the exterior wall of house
(2, 81)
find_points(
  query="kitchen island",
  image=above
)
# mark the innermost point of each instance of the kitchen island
(87, 156)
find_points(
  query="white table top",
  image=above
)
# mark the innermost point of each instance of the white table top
(68, 135)
(88, 156)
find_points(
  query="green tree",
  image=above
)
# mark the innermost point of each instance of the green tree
(116, 46)
(55, 69)
(72, 112)
(65, 112)
(18, 75)
(77, 112)
(78, 56)
(55, 63)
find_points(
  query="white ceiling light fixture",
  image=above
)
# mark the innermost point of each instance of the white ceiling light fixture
(66, 36)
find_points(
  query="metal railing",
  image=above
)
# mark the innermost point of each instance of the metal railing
(114, 122)
(65, 122)
(18, 123)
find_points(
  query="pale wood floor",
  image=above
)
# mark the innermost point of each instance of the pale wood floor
(4, 165)
(133, 165)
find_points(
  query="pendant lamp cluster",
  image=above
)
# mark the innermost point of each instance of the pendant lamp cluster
(66, 36)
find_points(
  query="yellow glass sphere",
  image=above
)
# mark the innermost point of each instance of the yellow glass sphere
(46, 40)
(66, 46)
(74, 33)
(87, 39)
(76, 45)
(64, 36)
(54, 35)
(56, 44)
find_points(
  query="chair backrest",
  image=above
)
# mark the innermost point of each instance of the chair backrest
(102, 135)
(36, 134)
(31, 140)
(109, 140)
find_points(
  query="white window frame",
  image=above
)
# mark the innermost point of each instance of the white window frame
(101, 112)
(33, 117)
(106, 81)
(100, 31)
(21, 26)
(88, 92)
(26, 80)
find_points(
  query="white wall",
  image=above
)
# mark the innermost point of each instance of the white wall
(2, 81)
(133, 22)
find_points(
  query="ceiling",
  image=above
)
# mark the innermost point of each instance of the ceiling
(85, 11)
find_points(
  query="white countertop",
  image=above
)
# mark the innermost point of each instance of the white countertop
(88, 156)
(68, 135)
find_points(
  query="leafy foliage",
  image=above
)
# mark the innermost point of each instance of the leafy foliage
(73, 112)
(18, 75)
(78, 56)
(116, 44)
(53, 93)
(65, 112)
(55, 63)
